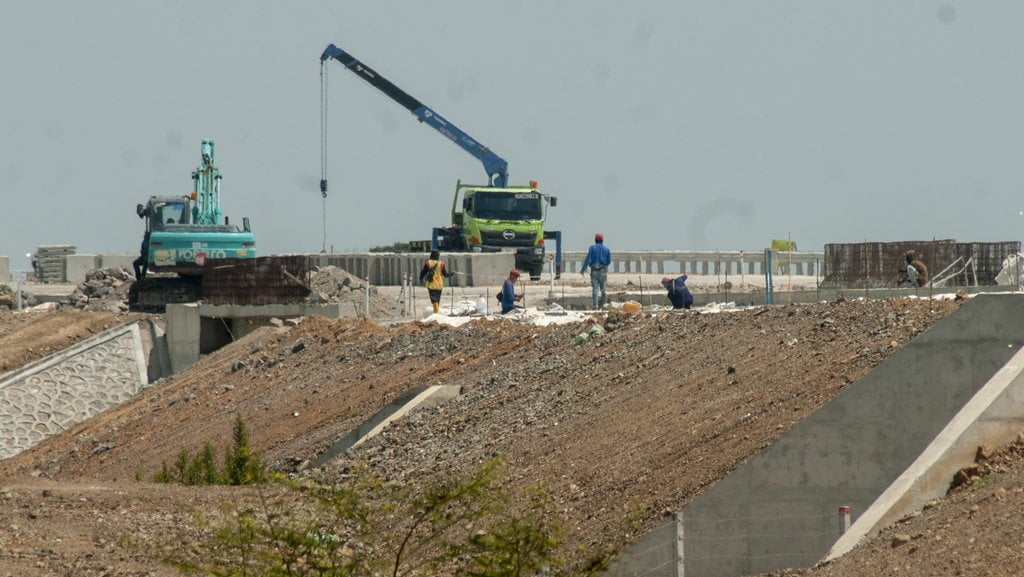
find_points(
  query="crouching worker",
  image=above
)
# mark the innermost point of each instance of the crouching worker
(677, 292)
(509, 298)
(432, 276)
(916, 271)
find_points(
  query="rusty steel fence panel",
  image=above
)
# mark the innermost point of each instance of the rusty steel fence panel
(878, 264)
(982, 262)
(259, 281)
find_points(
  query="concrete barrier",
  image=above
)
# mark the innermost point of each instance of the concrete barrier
(5, 269)
(390, 269)
(78, 266)
(488, 269)
(117, 261)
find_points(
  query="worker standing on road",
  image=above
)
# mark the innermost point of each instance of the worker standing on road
(599, 258)
(678, 294)
(432, 276)
(917, 272)
(508, 295)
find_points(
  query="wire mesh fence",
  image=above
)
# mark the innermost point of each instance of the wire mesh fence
(258, 281)
(882, 264)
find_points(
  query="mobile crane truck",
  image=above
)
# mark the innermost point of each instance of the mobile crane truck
(488, 218)
(181, 233)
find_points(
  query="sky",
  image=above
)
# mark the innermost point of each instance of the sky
(663, 124)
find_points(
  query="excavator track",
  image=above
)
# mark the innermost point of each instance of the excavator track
(153, 294)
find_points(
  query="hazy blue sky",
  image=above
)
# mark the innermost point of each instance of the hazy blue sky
(714, 125)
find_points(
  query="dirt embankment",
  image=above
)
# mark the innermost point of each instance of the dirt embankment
(27, 337)
(631, 424)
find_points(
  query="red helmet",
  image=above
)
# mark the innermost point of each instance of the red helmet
(513, 272)
(598, 237)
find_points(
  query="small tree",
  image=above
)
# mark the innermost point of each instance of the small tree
(241, 465)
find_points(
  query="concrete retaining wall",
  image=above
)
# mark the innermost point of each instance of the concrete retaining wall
(52, 395)
(993, 417)
(781, 508)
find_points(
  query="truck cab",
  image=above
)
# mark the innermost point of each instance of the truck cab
(499, 219)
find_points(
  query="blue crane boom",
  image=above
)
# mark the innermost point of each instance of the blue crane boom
(495, 166)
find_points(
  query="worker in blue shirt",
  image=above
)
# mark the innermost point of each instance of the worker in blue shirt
(599, 258)
(508, 295)
(678, 294)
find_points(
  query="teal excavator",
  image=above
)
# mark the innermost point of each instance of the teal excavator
(182, 232)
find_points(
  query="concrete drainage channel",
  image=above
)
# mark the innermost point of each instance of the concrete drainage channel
(417, 397)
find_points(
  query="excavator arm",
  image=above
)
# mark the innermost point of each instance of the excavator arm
(495, 166)
(206, 188)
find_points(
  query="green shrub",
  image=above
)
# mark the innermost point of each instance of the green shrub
(241, 465)
(367, 528)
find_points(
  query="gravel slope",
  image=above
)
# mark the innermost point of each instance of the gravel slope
(621, 430)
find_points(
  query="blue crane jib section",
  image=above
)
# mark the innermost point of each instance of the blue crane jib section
(370, 75)
(495, 166)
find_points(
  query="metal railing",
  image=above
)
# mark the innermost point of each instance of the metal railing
(698, 262)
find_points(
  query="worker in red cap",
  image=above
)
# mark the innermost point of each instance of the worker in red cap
(599, 258)
(508, 295)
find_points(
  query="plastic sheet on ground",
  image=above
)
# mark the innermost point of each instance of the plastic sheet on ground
(466, 311)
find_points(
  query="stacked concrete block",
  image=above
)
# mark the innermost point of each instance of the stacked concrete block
(50, 262)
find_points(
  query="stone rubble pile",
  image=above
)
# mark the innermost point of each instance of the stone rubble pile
(9, 298)
(104, 289)
(336, 285)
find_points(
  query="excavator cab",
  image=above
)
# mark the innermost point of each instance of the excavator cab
(172, 213)
(161, 212)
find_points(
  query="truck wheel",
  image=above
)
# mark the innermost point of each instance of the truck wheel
(536, 271)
